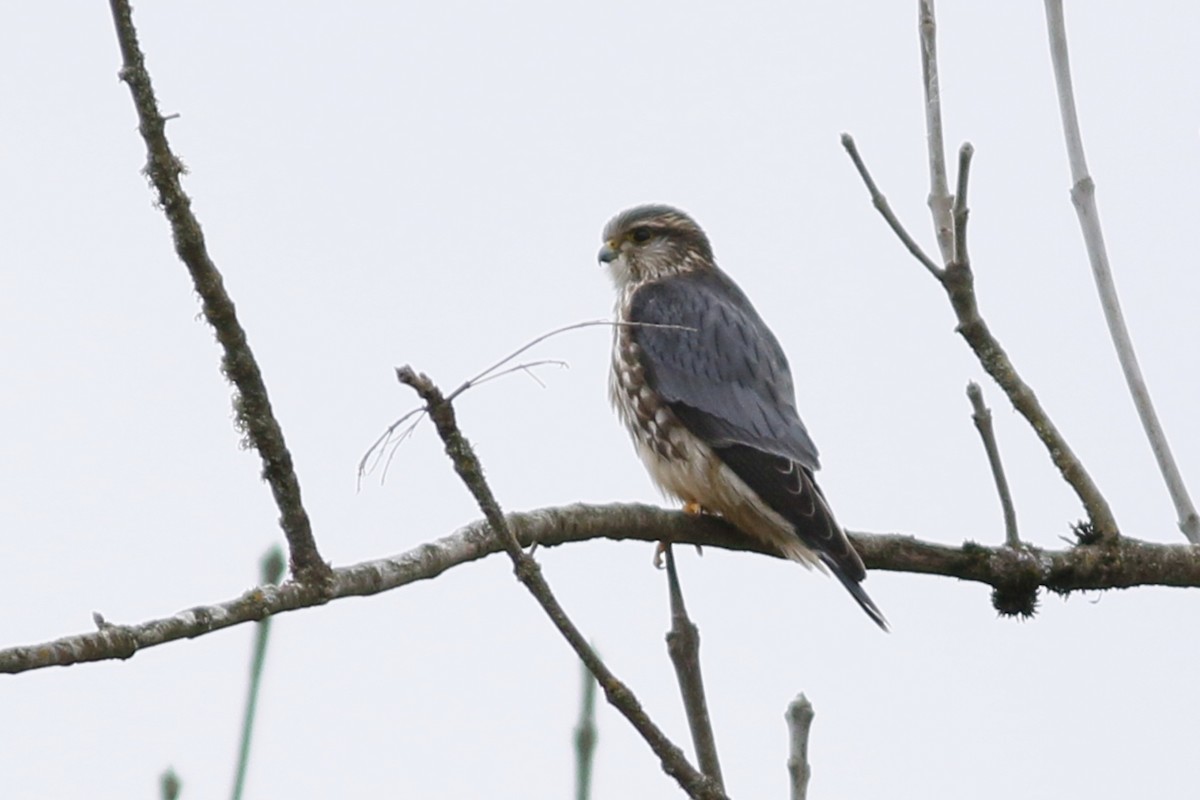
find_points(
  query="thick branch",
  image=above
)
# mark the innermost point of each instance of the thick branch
(1124, 564)
(683, 645)
(252, 407)
(1083, 196)
(528, 572)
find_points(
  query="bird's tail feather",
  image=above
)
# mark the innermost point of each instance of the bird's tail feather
(856, 591)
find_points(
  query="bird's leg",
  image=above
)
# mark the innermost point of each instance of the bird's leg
(692, 509)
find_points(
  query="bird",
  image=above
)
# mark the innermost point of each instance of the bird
(706, 393)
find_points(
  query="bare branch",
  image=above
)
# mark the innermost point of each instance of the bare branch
(959, 282)
(960, 211)
(1123, 564)
(799, 720)
(528, 572)
(983, 423)
(881, 204)
(683, 645)
(939, 194)
(1083, 196)
(585, 737)
(252, 406)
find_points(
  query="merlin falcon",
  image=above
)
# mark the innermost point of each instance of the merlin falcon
(705, 391)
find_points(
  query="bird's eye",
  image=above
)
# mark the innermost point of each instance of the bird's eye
(641, 235)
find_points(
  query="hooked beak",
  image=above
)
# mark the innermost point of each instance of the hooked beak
(607, 254)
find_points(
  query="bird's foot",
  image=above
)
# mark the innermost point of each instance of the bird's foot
(693, 509)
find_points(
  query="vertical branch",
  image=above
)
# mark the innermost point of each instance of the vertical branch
(585, 737)
(1083, 197)
(799, 720)
(271, 571)
(939, 192)
(683, 644)
(983, 423)
(252, 406)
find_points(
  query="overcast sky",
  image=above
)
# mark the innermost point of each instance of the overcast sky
(425, 183)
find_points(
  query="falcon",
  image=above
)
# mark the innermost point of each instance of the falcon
(705, 391)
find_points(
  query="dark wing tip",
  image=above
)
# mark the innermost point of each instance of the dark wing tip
(856, 591)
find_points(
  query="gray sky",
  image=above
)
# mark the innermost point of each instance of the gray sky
(425, 183)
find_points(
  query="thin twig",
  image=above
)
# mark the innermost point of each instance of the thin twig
(1126, 564)
(529, 573)
(983, 423)
(385, 446)
(799, 721)
(683, 645)
(252, 406)
(881, 204)
(939, 193)
(585, 736)
(271, 570)
(960, 211)
(1083, 197)
(482, 376)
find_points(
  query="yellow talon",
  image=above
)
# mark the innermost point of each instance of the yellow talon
(693, 509)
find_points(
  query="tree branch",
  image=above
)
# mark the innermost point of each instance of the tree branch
(683, 645)
(1120, 565)
(252, 406)
(1083, 197)
(959, 282)
(799, 720)
(885, 210)
(982, 416)
(939, 193)
(528, 572)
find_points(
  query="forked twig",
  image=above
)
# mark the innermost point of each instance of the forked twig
(958, 281)
(529, 573)
(384, 447)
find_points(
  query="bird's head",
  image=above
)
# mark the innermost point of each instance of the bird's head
(649, 243)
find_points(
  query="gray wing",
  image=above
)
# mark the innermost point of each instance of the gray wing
(721, 363)
(724, 375)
